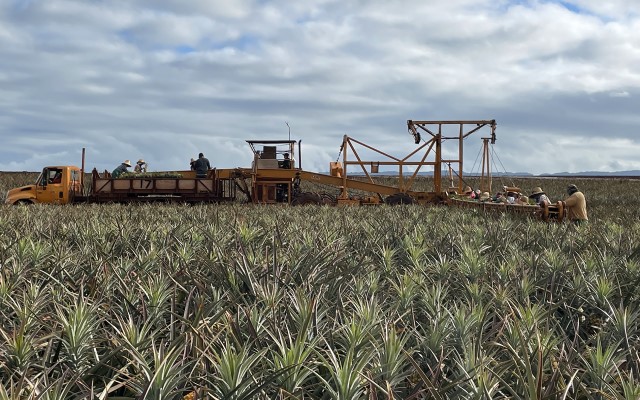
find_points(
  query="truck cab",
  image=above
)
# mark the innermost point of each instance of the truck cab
(55, 185)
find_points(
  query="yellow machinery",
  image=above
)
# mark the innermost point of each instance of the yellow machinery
(275, 175)
(271, 183)
(274, 180)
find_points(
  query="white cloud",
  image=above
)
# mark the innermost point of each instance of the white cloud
(166, 79)
(619, 94)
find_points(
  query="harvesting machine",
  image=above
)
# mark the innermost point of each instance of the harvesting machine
(272, 180)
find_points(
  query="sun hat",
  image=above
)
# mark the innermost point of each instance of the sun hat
(141, 161)
(468, 190)
(127, 163)
(485, 196)
(537, 190)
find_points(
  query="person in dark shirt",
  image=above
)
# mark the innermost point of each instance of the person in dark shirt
(286, 163)
(202, 166)
(121, 169)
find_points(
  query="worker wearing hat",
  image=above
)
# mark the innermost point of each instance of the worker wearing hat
(141, 166)
(470, 193)
(121, 169)
(539, 196)
(576, 206)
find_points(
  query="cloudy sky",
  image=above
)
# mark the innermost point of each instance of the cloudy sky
(166, 79)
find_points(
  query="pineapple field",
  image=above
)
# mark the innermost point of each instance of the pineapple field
(237, 301)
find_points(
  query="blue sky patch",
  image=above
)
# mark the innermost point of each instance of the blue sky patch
(184, 49)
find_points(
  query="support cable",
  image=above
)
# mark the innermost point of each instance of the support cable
(473, 168)
(504, 171)
(458, 175)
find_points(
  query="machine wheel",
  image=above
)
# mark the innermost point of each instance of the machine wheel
(399, 198)
(307, 198)
(544, 212)
(561, 210)
(23, 203)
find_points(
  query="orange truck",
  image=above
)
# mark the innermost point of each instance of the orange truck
(65, 185)
(55, 185)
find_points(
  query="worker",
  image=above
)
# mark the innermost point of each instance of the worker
(201, 166)
(121, 169)
(286, 163)
(57, 178)
(470, 193)
(192, 164)
(141, 166)
(500, 198)
(576, 206)
(539, 196)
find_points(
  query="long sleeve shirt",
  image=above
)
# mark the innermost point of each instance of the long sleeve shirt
(202, 166)
(120, 169)
(576, 207)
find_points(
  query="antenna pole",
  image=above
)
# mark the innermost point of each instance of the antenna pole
(289, 129)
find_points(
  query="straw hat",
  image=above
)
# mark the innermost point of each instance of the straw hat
(468, 190)
(485, 196)
(537, 190)
(127, 163)
(141, 161)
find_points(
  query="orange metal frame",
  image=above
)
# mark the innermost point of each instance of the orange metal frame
(432, 144)
(434, 129)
